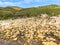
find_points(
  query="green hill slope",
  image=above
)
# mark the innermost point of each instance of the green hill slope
(15, 12)
(50, 10)
(8, 12)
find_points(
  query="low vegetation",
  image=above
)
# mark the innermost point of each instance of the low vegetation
(17, 12)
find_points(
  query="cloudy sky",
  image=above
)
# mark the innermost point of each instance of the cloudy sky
(28, 3)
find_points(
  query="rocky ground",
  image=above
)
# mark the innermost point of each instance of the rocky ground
(31, 31)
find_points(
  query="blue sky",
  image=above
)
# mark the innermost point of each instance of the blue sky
(28, 3)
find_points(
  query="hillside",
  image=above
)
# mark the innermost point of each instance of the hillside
(36, 11)
(8, 12)
(15, 12)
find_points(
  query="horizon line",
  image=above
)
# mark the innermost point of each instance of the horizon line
(31, 6)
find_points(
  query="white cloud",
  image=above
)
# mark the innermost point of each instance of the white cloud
(9, 3)
(22, 2)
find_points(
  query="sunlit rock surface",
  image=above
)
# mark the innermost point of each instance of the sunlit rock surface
(31, 31)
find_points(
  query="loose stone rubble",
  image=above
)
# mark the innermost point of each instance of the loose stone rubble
(32, 31)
